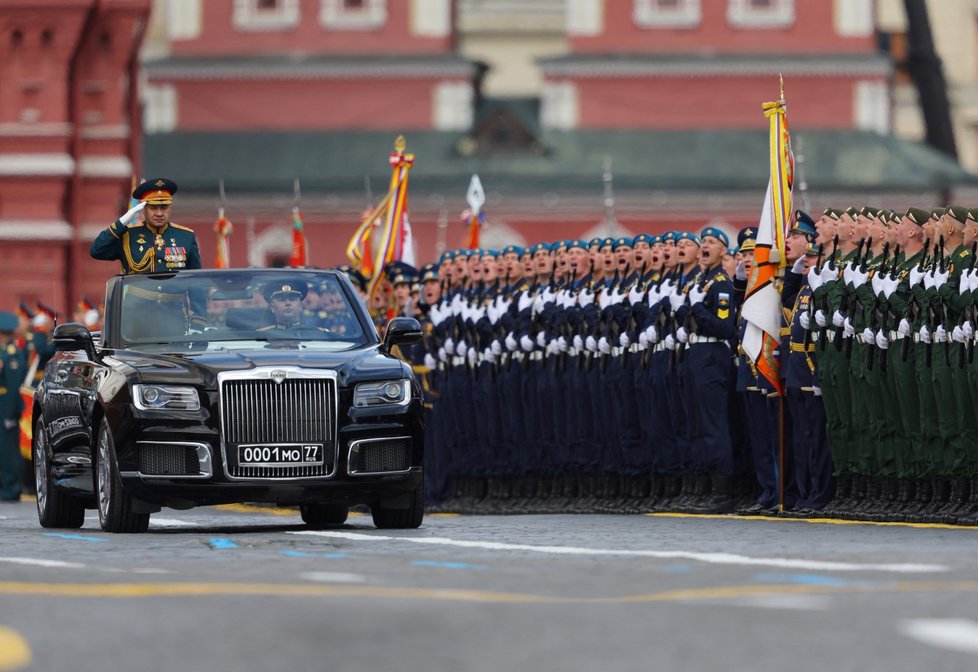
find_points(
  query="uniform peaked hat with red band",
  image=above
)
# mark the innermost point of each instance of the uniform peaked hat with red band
(157, 191)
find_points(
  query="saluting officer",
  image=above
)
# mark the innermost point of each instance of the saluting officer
(153, 244)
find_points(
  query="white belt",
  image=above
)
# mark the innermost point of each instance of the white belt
(572, 352)
(696, 338)
(633, 347)
(517, 355)
(458, 361)
(536, 356)
(616, 351)
(896, 336)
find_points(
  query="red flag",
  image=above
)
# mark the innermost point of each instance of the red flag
(298, 257)
(223, 229)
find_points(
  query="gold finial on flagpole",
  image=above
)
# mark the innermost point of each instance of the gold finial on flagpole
(400, 144)
(781, 86)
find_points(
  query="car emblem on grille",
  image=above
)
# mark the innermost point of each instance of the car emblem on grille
(278, 376)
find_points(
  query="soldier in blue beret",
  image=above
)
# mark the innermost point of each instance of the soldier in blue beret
(153, 244)
(11, 405)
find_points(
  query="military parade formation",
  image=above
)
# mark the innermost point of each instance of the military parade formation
(610, 375)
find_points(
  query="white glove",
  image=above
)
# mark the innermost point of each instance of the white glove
(820, 318)
(430, 361)
(578, 342)
(940, 277)
(681, 335)
(473, 355)
(805, 320)
(904, 327)
(676, 300)
(968, 329)
(635, 295)
(496, 347)
(591, 344)
(957, 334)
(815, 279)
(585, 298)
(524, 302)
(541, 339)
(670, 342)
(924, 334)
(623, 340)
(450, 345)
(653, 334)
(492, 314)
(561, 344)
(868, 336)
(510, 342)
(538, 303)
(643, 341)
(877, 282)
(882, 342)
(890, 285)
(132, 212)
(739, 272)
(461, 348)
(940, 334)
(859, 277)
(916, 276)
(551, 348)
(488, 356)
(655, 295)
(604, 300)
(799, 265)
(604, 346)
(847, 272)
(838, 319)
(526, 343)
(442, 354)
(848, 330)
(696, 295)
(816, 390)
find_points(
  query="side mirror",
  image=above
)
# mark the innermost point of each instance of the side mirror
(402, 331)
(72, 337)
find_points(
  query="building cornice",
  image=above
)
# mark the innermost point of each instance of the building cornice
(39, 130)
(23, 229)
(307, 67)
(710, 65)
(54, 164)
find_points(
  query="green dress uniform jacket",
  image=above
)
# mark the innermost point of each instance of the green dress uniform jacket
(140, 250)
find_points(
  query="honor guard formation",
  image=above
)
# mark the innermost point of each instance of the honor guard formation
(608, 375)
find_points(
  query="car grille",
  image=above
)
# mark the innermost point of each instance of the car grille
(294, 411)
(163, 459)
(379, 456)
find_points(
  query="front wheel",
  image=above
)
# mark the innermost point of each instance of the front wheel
(400, 519)
(115, 512)
(54, 508)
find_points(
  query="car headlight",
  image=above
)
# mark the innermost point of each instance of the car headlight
(165, 397)
(390, 392)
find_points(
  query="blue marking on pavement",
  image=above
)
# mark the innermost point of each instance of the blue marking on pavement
(76, 537)
(806, 580)
(677, 569)
(217, 542)
(446, 565)
(301, 554)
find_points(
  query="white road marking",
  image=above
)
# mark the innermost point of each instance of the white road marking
(956, 634)
(170, 522)
(709, 558)
(42, 562)
(333, 577)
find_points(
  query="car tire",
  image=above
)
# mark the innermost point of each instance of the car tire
(318, 516)
(54, 508)
(400, 519)
(115, 512)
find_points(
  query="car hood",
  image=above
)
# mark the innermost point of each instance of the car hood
(202, 368)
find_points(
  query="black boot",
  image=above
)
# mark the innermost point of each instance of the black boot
(924, 489)
(720, 499)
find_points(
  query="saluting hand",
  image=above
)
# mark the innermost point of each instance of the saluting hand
(132, 212)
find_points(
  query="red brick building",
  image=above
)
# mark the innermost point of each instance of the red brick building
(258, 93)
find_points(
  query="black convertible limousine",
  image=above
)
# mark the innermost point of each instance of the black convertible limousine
(220, 386)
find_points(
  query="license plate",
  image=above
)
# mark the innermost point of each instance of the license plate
(288, 454)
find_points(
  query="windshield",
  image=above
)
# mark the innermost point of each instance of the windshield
(239, 309)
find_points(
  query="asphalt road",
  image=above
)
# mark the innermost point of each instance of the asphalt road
(243, 588)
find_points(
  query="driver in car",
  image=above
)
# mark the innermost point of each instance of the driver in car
(284, 298)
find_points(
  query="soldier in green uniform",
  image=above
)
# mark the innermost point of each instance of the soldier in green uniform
(153, 244)
(11, 376)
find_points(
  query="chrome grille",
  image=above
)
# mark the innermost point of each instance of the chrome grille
(297, 410)
(163, 459)
(380, 456)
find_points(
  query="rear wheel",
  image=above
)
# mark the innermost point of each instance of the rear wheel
(54, 508)
(115, 512)
(323, 515)
(401, 519)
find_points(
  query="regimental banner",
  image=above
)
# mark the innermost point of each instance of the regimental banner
(223, 229)
(762, 303)
(299, 251)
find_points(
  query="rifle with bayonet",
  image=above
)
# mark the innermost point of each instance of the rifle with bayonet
(913, 305)
(932, 312)
(832, 263)
(885, 309)
(630, 324)
(602, 328)
(847, 294)
(966, 313)
(875, 316)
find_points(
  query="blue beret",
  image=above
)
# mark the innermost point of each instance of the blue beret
(447, 255)
(642, 238)
(571, 244)
(716, 233)
(804, 224)
(622, 242)
(488, 253)
(8, 321)
(686, 235)
(731, 251)
(668, 235)
(594, 242)
(655, 240)
(746, 233)
(429, 272)
(513, 249)
(607, 242)
(540, 247)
